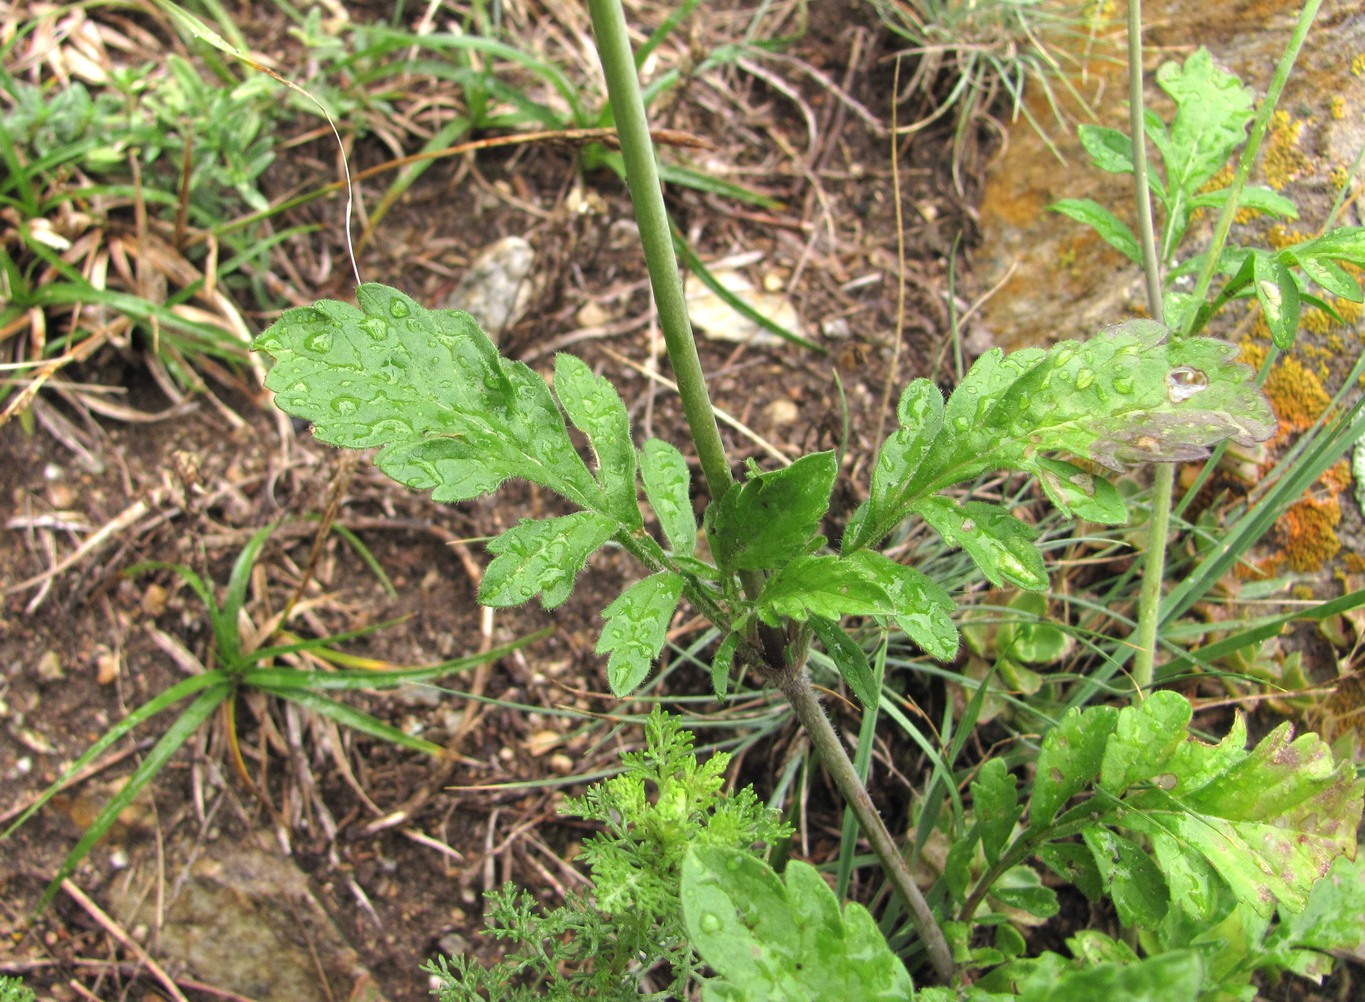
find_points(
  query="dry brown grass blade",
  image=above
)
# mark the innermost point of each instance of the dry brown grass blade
(106, 923)
(120, 523)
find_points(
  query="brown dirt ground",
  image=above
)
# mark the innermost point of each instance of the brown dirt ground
(82, 650)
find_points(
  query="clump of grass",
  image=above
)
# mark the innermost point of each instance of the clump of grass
(985, 51)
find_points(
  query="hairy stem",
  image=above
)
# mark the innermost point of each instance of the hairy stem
(795, 685)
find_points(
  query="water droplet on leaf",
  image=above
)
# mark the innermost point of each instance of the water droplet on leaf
(345, 405)
(711, 922)
(1183, 382)
(1084, 378)
(399, 308)
(319, 343)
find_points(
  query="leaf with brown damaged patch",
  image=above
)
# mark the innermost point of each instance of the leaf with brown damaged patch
(1269, 821)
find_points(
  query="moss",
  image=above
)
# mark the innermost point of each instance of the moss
(1337, 107)
(1302, 592)
(1358, 65)
(1308, 533)
(1339, 177)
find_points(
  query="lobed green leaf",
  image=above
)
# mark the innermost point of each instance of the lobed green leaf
(1130, 877)
(849, 658)
(1110, 150)
(1070, 760)
(1269, 821)
(1114, 231)
(770, 939)
(542, 557)
(995, 801)
(1213, 110)
(637, 628)
(919, 604)
(668, 488)
(428, 387)
(595, 409)
(826, 586)
(1000, 544)
(773, 517)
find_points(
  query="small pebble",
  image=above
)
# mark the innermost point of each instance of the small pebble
(50, 667)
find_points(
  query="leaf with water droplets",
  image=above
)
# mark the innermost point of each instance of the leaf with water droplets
(452, 416)
(542, 557)
(771, 937)
(908, 455)
(668, 485)
(637, 628)
(920, 605)
(595, 408)
(773, 517)
(1269, 821)
(1278, 293)
(825, 586)
(1001, 544)
(1126, 395)
(1130, 876)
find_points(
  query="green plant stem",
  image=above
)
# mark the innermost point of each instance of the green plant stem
(1154, 561)
(796, 687)
(656, 239)
(784, 660)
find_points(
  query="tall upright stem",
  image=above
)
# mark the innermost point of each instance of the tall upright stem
(1154, 561)
(656, 238)
(787, 672)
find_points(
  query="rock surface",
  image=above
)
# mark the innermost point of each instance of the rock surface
(1056, 278)
(243, 918)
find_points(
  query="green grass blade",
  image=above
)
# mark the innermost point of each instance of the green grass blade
(349, 716)
(862, 761)
(264, 654)
(178, 733)
(225, 632)
(1271, 627)
(660, 34)
(292, 679)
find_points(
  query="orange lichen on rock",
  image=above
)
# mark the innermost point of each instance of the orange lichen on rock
(1296, 393)
(1308, 533)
